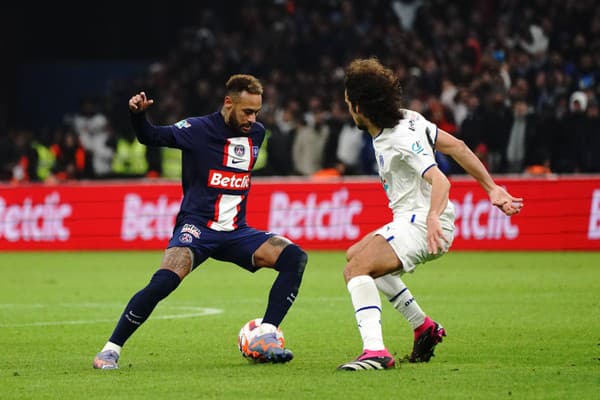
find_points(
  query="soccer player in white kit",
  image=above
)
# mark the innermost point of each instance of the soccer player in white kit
(423, 218)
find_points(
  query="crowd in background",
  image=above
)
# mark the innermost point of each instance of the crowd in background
(519, 82)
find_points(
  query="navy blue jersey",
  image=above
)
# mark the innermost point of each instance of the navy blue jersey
(216, 165)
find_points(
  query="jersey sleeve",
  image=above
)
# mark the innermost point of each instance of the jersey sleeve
(178, 136)
(183, 133)
(151, 135)
(418, 149)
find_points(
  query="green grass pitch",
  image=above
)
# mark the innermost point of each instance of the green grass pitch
(520, 326)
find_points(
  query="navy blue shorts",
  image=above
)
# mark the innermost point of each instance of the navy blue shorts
(235, 246)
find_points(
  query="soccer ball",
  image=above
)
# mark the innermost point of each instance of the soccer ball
(247, 333)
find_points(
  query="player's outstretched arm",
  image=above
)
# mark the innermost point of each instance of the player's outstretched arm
(139, 103)
(145, 132)
(440, 190)
(460, 152)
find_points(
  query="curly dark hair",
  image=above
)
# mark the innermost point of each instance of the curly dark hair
(376, 90)
(238, 83)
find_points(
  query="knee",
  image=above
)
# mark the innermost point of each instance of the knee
(300, 257)
(356, 267)
(347, 273)
(349, 254)
(163, 282)
(295, 259)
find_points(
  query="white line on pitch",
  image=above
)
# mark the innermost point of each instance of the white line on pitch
(199, 312)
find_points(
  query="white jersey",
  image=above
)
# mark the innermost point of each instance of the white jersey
(404, 153)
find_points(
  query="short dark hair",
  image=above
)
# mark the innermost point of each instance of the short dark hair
(376, 90)
(238, 83)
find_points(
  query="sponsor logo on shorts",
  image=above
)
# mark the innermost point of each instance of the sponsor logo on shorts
(189, 228)
(185, 238)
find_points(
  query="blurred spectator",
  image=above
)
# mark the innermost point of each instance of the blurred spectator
(307, 149)
(349, 149)
(24, 158)
(406, 11)
(70, 156)
(472, 131)
(496, 128)
(337, 118)
(521, 130)
(281, 131)
(454, 98)
(478, 58)
(591, 155)
(571, 142)
(367, 155)
(95, 136)
(7, 157)
(129, 159)
(170, 162)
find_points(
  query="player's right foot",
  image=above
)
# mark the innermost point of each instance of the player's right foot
(369, 359)
(426, 339)
(106, 359)
(266, 348)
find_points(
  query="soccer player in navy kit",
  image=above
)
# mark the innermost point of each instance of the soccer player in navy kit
(218, 152)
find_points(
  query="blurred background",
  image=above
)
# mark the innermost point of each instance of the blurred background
(518, 81)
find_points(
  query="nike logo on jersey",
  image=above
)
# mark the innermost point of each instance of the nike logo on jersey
(237, 160)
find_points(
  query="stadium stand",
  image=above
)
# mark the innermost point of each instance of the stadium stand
(519, 82)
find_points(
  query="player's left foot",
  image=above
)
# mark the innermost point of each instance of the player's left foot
(266, 348)
(106, 359)
(370, 359)
(426, 338)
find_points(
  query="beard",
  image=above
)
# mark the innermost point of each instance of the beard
(235, 124)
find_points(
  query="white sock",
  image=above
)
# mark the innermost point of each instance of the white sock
(112, 346)
(398, 294)
(367, 310)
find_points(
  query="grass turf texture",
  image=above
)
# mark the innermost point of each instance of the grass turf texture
(520, 325)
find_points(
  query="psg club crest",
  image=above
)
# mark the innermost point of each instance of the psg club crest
(239, 150)
(185, 238)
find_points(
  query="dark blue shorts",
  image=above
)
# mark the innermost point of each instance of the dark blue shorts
(235, 246)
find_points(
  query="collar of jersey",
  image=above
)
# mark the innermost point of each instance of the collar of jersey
(379, 134)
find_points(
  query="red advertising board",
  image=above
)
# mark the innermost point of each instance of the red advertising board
(559, 214)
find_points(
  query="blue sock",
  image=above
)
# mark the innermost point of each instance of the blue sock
(140, 306)
(290, 264)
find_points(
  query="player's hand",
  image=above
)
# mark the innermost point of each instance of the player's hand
(139, 103)
(504, 201)
(436, 241)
